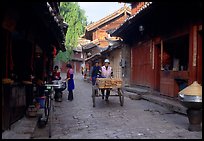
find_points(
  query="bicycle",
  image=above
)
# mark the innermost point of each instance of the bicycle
(47, 116)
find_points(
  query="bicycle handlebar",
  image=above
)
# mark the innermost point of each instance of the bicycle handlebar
(52, 85)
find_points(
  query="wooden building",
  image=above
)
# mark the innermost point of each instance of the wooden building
(165, 41)
(32, 35)
(99, 31)
(114, 54)
(77, 59)
(90, 52)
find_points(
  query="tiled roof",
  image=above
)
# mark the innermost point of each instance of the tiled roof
(81, 42)
(128, 20)
(92, 57)
(90, 45)
(108, 18)
(111, 48)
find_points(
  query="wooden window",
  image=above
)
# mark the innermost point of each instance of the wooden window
(175, 53)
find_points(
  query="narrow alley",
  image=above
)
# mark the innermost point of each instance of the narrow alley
(137, 119)
(147, 56)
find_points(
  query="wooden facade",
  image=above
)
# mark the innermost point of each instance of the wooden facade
(113, 53)
(77, 59)
(140, 69)
(90, 52)
(115, 59)
(100, 31)
(31, 38)
(165, 50)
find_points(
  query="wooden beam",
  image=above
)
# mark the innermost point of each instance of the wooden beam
(162, 55)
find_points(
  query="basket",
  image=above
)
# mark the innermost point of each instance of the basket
(104, 83)
(31, 111)
(116, 82)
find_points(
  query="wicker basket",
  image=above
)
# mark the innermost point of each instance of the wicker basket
(104, 83)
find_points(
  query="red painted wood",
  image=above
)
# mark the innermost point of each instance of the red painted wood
(157, 67)
(142, 73)
(192, 69)
(199, 59)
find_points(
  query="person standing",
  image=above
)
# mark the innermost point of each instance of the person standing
(106, 72)
(70, 78)
(82, 71)
(95, 72)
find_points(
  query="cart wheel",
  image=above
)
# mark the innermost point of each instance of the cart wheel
(93, 98)
(93, 95)
(121, 97)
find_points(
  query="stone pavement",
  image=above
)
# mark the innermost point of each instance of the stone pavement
(24, 128)
(172, 104)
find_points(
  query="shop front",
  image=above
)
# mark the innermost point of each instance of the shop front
(27, 54)
(166, 46)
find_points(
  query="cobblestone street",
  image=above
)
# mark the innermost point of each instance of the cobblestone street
(137, 119)
(102, 70)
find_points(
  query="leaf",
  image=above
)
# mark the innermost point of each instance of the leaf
(77, 21)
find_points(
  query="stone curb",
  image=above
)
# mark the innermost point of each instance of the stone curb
(139, 93)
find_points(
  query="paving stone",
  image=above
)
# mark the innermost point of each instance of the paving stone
(136, 119)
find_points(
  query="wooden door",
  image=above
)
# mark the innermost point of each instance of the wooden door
(157, 66)
(141, 65)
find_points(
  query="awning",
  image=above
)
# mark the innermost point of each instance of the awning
(77, 59)
(121, 30)
(159, 18)
(90, 45)
(111, 48)
(93, 57)
(53, 22)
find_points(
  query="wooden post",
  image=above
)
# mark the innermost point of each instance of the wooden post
(153, 46)
(194, 45)
(199, 56)
(162, 55)
(192, 54)
(7, 51)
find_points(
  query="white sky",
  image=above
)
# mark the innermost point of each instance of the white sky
(98, 10)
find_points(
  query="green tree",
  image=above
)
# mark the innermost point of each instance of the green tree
(77, 21)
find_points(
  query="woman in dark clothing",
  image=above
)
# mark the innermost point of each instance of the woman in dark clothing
(71, 86)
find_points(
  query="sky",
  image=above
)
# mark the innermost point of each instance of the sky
(98, 10)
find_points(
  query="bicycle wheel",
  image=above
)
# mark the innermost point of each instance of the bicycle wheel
(50, 117)
(47, 110)
(93, 95)
(121, 97)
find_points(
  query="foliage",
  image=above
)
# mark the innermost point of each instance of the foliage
(76, 19)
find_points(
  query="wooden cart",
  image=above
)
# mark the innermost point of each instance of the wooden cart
(108, 83)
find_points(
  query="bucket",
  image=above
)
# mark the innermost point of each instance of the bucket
(41, 100)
